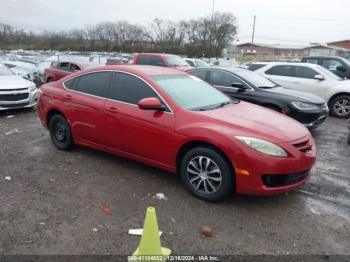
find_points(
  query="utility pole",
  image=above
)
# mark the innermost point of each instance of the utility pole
(213, 9)
(253, 30)
(251, 51)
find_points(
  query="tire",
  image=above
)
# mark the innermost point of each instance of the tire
(340, 106)
(197, 181)
(60, 132)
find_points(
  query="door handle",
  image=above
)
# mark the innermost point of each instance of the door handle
(112, 109)
(68, 97)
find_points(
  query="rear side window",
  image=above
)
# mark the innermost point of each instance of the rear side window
(305, 72)
(202, 74)
(282, 70)
(157, 61)
(94, 83)
(63, 66)
(143, 60)
(71, 83)
(129, 89)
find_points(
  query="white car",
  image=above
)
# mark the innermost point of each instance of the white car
(15, 91)
(196, 62)
(313, 79)
(23, 69)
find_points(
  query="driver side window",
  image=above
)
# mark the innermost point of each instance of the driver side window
(218, 78)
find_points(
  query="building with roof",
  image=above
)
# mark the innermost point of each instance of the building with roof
(259, 49)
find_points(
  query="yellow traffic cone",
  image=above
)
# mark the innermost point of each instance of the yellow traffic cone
(150, 240)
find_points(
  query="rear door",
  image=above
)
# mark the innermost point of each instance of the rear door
(144, 133)
(284, 75)
(84, 102)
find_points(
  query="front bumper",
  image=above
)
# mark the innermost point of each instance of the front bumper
(263, 174)
(25, 98)
(311, 119)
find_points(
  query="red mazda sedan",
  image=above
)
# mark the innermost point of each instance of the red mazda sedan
(172, 120)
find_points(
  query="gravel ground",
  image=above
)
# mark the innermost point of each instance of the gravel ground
(50, 205)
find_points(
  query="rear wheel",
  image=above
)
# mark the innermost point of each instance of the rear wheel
(340, 106)
(60, 132)
(207, 174)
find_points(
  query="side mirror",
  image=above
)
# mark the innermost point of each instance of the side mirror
(319, 77)
(238, 85)
(341, 68)
(151, 103)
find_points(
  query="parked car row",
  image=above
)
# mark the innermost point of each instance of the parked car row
(314, 79)
(308, 109)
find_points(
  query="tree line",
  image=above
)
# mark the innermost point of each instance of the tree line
(204, 36)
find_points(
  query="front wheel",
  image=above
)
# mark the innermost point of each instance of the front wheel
(340, 106)
(60, 133)
(207, 174)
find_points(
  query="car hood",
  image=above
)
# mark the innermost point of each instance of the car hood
(246, 119)
(296, 96)
(13, 82)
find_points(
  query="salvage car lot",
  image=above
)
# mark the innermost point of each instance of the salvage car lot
(50, 204)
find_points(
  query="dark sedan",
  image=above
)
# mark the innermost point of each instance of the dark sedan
(245, 85)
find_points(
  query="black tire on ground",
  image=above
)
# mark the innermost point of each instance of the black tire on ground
(340, 106)
(206, 173)
(60, 132)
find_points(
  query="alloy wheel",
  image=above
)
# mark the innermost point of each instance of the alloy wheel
(342, 107)
(204, 175)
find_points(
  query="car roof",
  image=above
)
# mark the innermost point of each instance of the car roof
(155, 54)
(146, 70)
(293, 64)
(323, 56)
(223, 68)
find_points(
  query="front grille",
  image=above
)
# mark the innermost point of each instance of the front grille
(304, 146)
(284, 180)
(14, 97)
(15, 89)
(15, 105)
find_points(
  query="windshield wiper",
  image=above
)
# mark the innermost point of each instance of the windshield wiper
(223, 104)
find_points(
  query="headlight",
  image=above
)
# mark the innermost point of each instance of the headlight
(32, 87)
(263, 146)
(304, 106)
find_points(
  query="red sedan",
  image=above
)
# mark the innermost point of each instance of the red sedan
(177, 122)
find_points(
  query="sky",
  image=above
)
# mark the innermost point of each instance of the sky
(293, 22)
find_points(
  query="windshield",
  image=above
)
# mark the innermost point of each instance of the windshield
(4, 71)
(175, 60)
(191, 93)
(256, 79)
